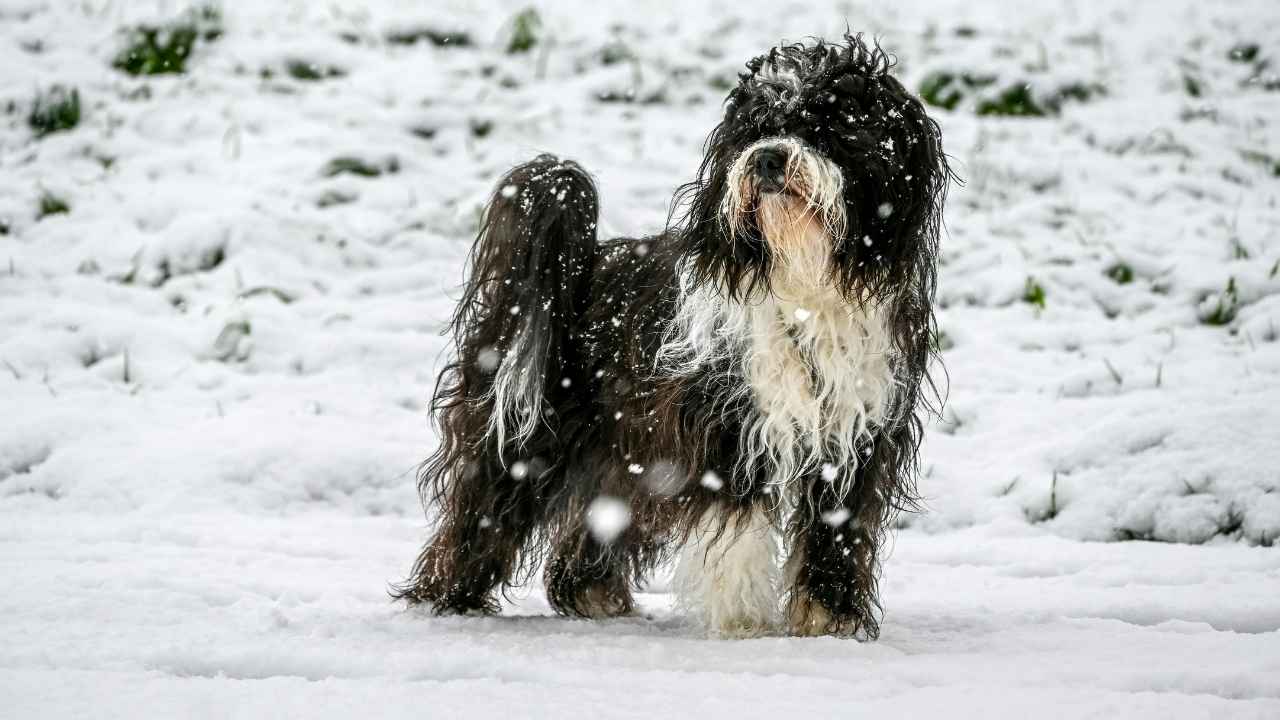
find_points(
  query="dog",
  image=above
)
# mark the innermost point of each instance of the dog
(747, 383)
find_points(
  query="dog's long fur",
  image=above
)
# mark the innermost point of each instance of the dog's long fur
(758, 368)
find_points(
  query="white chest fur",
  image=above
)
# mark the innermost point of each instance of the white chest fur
(817, 369)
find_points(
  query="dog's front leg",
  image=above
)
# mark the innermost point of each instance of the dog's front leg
(728, 569)
(833, 569)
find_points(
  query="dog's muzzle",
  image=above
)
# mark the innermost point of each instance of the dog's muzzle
(769, 164)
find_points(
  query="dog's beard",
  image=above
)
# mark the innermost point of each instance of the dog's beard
(799, 241)
(800, 223)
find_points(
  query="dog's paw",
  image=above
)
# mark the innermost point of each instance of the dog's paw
(742, 627)
(598, 603)
(808, 618)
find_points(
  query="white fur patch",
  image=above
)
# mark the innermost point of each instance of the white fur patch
(516, 391)
(730, 580)
(817, 368)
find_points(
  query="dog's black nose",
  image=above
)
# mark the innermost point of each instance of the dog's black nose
(770, 165)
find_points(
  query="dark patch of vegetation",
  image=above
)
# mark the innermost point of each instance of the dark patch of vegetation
(525, 29)
(946, 90)
(1238, 250)
(439, 38)
(1225, 309)
(1033, 293)
(1243, 53)
(153, 50)
(283, 296)
(4, 227)
(1017, 99)
(1121, 273)
(966, 31)
(53, 111)
(351, 165)
(481, 128)
(308, 71)
(423, 131)
(334, 197)
(656, 97)
(1270, 163)
(616, 52)
(51, 204)
(1191, 84)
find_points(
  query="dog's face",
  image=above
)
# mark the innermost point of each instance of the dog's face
(824, 172)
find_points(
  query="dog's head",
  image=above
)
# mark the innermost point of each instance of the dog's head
(824, 172)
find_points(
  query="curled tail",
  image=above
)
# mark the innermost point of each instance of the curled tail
(530, 276)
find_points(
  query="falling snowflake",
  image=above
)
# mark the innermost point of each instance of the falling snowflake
(519, 469)
(837, 517)
(488, 359)
(509, 191)
(711, 481)
(802, 314)
(607, 517)
(829, 472)
(664, 478)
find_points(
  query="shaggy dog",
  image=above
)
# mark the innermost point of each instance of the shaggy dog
(745, 384)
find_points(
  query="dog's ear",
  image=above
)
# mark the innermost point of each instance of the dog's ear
(737, 262)
(896, 177)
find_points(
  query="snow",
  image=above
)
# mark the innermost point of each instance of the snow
(214, 369)
(607, 517)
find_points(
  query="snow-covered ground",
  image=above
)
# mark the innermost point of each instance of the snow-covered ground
(213, 368)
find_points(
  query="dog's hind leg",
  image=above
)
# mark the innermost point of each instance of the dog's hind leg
(489, 516)
(593, 564)
(586, 577)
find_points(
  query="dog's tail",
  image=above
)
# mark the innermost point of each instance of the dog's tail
(530, 277)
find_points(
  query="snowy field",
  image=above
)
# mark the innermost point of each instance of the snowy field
(220, 300)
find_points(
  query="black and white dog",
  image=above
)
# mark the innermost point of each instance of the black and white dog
(753, 374)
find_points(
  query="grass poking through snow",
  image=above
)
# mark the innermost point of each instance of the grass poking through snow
(308, 71)
(153, 50)
(1223, 307)
(525, 30)
(351, 165)
(438, 38)
(51, 204)
(1121, 273)
(1033, 293)
(55, 110)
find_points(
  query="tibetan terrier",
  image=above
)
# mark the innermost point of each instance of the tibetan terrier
(744, 385)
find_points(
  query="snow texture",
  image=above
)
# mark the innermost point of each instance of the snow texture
(214, 365)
